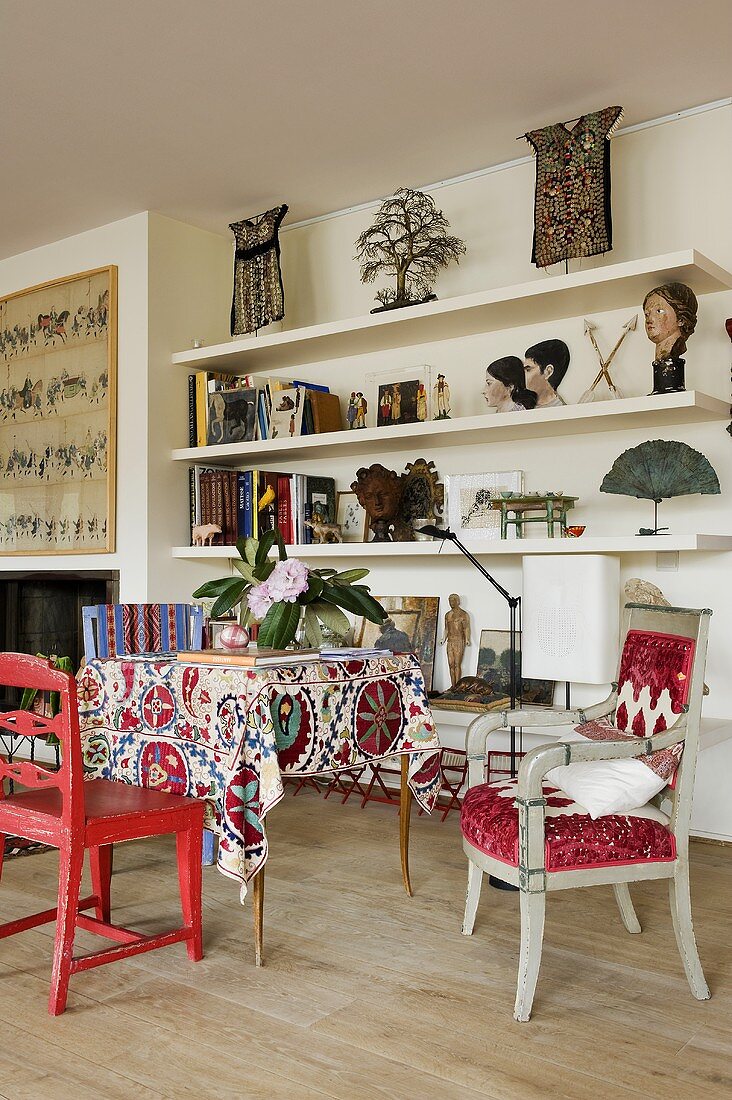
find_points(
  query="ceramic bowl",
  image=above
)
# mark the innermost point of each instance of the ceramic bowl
(575, 530)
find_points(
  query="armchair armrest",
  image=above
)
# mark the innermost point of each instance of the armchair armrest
(541, 760)
(480, 728)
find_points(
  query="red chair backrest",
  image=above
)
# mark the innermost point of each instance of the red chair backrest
(20, 670)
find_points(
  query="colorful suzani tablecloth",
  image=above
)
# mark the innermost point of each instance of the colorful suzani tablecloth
(230, 734)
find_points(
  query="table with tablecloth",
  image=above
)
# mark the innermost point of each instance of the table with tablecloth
(230, 734)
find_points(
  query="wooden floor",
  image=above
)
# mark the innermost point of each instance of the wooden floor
(366, 993)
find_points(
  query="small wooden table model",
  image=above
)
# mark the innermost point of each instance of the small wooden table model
(553, 510)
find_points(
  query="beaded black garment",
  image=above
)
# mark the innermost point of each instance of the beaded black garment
(259, 296)
(572, 202)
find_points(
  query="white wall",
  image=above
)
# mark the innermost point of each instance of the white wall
(670, 191)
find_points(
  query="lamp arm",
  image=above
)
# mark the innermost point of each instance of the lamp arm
(512, 600)
(481, 728)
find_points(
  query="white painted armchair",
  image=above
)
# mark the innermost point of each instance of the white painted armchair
(526, 832)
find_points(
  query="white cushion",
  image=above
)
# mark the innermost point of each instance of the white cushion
(607, 786)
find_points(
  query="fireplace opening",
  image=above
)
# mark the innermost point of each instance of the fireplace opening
(41, 613)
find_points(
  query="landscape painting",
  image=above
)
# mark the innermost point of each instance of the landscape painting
(58, 363)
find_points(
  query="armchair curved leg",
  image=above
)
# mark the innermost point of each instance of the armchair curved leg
(625, 905)
(533, 907)
(680, 897)
(475, 881)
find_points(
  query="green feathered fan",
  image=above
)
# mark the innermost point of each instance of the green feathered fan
(658, 470)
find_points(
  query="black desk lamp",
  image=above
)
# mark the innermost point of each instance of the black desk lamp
(514, 605)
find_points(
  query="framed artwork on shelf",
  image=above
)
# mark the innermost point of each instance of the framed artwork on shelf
(353, 519)
(470, 511)
(489, 689)
(410, 627)
(321, 499)
(58, 367)
(401, 396)
(232, 416)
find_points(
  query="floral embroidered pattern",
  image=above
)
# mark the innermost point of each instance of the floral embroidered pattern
(572, 201)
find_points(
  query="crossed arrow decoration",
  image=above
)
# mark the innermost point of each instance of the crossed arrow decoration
(604, 372)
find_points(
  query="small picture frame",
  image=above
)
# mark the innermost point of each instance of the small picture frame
(213, 631)
(470, 497)
(352, 518)
(400, 396)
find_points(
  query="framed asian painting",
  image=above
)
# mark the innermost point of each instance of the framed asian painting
(58, 400)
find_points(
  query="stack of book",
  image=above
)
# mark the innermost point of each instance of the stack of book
(246, 503)
(223, 408)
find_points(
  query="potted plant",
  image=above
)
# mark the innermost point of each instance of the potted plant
(283, 595)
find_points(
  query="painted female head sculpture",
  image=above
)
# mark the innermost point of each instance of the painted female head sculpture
(505, 386)
(670, 312)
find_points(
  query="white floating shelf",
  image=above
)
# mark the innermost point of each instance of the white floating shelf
(550, 298)
(626, 544)
(691, 407)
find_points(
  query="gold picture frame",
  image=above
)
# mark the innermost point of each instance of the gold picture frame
(58, 405)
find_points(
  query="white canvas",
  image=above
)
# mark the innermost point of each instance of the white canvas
(469, 498)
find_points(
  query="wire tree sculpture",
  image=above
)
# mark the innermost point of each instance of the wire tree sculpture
(409, 240)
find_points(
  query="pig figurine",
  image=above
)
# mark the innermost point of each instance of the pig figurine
(204, 534)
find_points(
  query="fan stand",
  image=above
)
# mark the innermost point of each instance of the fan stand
(655, 530)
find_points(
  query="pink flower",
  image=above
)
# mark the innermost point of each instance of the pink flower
(287, 581)
(259, 600)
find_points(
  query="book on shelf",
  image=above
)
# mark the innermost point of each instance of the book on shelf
(249, 658)
(232, 416)
(246, 503)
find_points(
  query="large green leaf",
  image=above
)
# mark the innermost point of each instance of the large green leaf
(348, 576)
(265, 545)
(229, 595)
(313, 590)
(246, 571)
(345, 597)
(279, 625)
(313, 633)
(251, 551)
(331, 617)
(212, 588)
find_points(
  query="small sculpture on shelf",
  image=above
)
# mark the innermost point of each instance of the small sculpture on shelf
(379, 492)
(423, 499)
(505, 386)
(408, 239)
(593, 394)
(545, 366)
(456, 636)
(324, 532)
(441, 399)
(670, 312)
(203, 534)
(657, 470)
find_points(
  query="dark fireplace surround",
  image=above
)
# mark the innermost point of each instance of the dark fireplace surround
(40, 611)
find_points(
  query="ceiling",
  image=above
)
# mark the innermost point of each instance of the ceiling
(213, 110)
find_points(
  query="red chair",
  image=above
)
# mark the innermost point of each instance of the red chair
(72, 815)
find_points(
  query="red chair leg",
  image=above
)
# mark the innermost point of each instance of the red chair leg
(71, 862)
(100, 859)
(189, 845)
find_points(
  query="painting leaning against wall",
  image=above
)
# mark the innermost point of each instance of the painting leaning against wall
(58, 367)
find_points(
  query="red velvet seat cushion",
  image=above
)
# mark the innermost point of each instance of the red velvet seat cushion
(489, 821)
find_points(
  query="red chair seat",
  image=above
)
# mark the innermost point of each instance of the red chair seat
(489, 821)
(103, 798)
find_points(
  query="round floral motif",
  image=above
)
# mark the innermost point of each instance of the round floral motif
(157, 707)
(90, 690)
(379, 716)
(162, 767)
